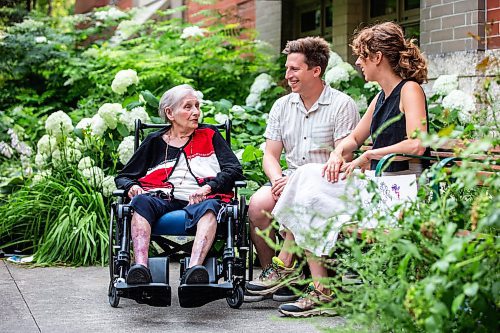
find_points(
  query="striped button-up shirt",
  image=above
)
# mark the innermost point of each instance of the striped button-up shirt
(308, 136)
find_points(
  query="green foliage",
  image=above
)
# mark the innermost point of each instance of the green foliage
(61, 219)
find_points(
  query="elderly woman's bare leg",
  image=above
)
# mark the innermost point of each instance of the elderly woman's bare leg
(141, 234)
(205, 234)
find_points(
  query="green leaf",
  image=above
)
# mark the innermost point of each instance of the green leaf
(123, 130)
(470, 289)
(150, 99)
(132, 105)
(457, 302)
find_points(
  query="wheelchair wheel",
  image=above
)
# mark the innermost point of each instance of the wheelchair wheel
(113, 297)
(236, 299)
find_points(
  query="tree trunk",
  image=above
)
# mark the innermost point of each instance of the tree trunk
(28, 5)
(49, 7)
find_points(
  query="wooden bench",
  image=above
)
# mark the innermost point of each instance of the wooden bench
(447, 154)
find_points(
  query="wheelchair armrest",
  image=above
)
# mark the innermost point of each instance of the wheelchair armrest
(240, 183)
(119, 193)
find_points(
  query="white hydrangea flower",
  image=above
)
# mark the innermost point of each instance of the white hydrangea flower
(84, 124)
(123, 79)
(192, 31)
(40, 176)
(126, 149)
(112, 14)
(334, 60)
(128, 118)
(98, 125)
(348, 67)
(74, 143)
(26, 164)
(85, 163)
(261, 83)
(464, 103)
(361, 102)
(94, 175)
(237, 109)
(41, 160)
(373, 86)
(252, 100)
(336, 75)
(29, 24)
(46, 145)
(445, 84)
(109, 112)
(5, 149)
(221, 118)
(40, 39)
(58, 123)
(108, 185)
(69, 154)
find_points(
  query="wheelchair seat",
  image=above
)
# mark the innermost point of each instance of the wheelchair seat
(228, 263)
(171, 224)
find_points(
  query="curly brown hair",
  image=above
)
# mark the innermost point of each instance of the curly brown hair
(316, 51)
(403, 55)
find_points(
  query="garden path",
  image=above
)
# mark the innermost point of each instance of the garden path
(66, 299)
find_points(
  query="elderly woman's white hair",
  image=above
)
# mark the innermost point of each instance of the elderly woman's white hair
(172, 97)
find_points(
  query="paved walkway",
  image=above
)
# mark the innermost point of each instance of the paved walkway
(63, 299)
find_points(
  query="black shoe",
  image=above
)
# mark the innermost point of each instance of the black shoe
(195, 275)
(139, 274)
(287, 294)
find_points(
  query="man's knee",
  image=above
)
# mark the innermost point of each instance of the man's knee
(261, 204)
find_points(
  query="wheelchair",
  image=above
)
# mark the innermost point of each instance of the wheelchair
(228, 262)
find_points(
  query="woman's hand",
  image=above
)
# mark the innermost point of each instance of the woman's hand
(362, 162)
(200, 194)
(135, 190)
(333, 166)
(278, 186)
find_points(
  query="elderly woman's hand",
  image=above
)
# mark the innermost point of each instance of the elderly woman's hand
(333, 166)
(135, 190)
(200, 194)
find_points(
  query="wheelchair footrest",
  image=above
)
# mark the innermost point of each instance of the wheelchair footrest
(196, 295)
(154, 294)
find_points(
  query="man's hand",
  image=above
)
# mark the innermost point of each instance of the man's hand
(200, 194)
(135, 190)
(278, 186)
(333, 167)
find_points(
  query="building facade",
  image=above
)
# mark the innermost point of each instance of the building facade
(454, 34)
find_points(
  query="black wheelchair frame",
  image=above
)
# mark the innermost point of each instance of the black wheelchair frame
(229, 264)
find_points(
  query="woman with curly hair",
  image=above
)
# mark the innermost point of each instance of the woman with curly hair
(315, 192)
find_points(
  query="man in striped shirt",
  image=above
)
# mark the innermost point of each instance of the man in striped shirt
(306, 124)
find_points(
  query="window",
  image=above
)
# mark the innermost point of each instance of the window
(405, 12)
(315, 18)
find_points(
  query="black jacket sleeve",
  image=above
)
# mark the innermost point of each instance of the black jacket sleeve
(137, 166)
(231, 169)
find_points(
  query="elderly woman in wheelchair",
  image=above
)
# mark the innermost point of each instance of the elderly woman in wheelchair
(184, 166)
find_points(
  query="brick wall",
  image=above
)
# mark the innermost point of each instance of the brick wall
(493, 24)
(447, 25)
(244, 10)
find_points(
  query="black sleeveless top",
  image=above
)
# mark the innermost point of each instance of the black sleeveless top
(388, 126)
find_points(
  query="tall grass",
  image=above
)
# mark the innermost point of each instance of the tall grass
(60, 219)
